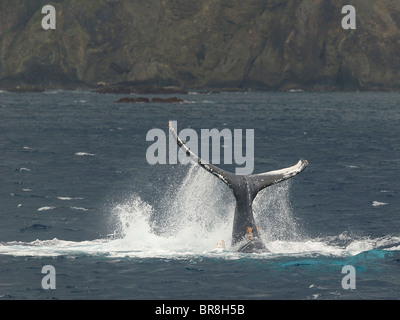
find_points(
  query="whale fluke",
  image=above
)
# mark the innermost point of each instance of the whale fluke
(245, 233)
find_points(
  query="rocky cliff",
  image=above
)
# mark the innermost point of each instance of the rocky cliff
(258, 44)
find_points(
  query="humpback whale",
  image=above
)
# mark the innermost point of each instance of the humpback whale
(245, 233)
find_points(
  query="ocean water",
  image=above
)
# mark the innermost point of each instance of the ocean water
(78, 193)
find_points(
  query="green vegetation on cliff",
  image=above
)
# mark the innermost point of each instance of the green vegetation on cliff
(258, 44)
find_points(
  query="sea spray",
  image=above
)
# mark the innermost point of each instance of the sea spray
(201, 203)
(195, 211)
(190, 214)
(273, 212)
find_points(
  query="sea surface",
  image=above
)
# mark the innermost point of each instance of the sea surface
(77, 193)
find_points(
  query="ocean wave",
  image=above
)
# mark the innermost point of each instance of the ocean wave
(378, 204)
(79, 208)
(353, 166)
(46, 208)
(82, 154)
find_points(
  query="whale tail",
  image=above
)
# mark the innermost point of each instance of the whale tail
(257, 181)
(245, 188)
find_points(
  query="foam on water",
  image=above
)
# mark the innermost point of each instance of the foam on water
(46, 208)
(69, 198)
(273, 212)
(82, 154)
(188, 220)
(152, 246)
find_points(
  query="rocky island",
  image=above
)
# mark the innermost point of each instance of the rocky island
(210, 44)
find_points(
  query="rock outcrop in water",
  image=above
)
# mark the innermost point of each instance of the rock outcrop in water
(258, 44)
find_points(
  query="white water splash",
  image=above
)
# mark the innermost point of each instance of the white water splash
(273, 212)
(152, 246)
(378, 204)
(83, 154)
(46, 208)
(189, 219)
